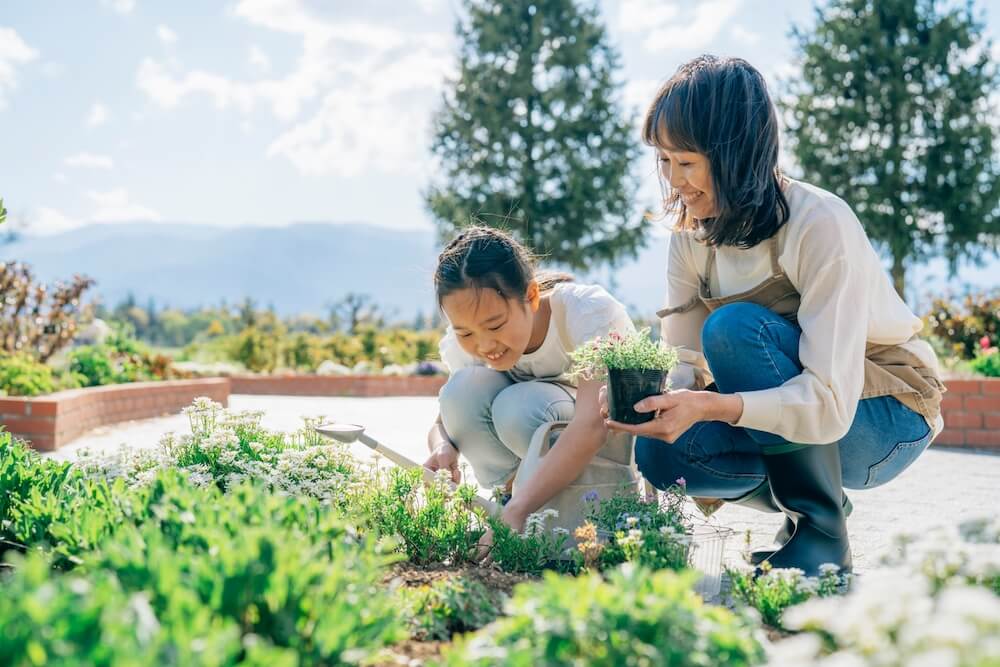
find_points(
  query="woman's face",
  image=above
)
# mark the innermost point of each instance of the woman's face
(689, 174)
(489, 326)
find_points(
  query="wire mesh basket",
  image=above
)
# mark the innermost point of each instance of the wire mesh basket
(708, 547)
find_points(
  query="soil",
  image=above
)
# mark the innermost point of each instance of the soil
(411, 576)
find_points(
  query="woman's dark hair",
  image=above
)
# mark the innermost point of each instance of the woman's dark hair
(720, 107)
(486, 258)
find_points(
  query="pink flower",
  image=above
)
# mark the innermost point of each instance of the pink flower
(984, 342)
(681, 481)
(615, 336)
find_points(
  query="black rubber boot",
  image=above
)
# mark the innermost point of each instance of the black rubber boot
(806, 484)
(785, 532)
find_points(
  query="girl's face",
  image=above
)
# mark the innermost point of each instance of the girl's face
(689, 174)
(489, 326)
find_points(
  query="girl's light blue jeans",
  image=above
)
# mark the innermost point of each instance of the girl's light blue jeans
(748, 347)
(491, 418)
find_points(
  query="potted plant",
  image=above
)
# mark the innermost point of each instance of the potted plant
(634, 367)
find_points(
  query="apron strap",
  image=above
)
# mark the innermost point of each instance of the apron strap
(772, 249)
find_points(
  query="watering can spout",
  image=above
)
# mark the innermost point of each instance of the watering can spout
(341, 432)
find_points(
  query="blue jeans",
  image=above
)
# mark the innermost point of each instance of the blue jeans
(748, 347)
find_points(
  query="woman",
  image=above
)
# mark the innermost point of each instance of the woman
(802, 372)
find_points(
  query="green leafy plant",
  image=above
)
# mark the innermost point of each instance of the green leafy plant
(119, 359)
(21, 375)
(775, 590)
(535, 549)
(432, 523)
(449, 606)
(987, 363)
(632, 351)
(634, 617)
(626, 527)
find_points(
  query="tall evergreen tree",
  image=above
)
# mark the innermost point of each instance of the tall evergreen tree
(532, 136)
(893, 114)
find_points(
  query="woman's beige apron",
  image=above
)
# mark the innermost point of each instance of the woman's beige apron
(890, 370)
(611, 470)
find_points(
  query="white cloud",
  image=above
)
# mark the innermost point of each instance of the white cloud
(14, 52)
(114, 206)
(165, 34)
(259, 60)
(89, 161)
(47, 221)
(120, 6)
(741, 34)
(376, 84)
(667, 27)
(98, 115)
(60, 177)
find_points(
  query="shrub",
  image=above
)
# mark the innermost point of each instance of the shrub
(256, 349)
(119, 359)
(37, 319)
(987, 363)
(962, 326)
(634, 617)
(75, 620)
(20, 375)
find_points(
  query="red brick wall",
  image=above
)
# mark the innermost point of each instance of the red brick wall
(338, 385)
(971, 410)
(51, 421)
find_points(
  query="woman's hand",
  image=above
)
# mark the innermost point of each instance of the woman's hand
(510, 516)
(677, 411)
(445, 457)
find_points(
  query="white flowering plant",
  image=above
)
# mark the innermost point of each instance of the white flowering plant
(773, 590)
(536, 548)
(655, 532)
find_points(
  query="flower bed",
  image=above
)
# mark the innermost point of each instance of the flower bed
(48, 422)
(236, 545)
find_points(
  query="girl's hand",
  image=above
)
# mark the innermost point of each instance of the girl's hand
(677, 411)
(602, 401)
(509, 516)
(445, 457)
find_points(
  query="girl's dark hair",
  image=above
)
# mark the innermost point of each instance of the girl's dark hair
(720, 107)
(486, 258)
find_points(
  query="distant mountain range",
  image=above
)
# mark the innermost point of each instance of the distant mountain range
(303, 267)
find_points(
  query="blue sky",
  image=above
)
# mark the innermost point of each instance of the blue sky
(279, 111)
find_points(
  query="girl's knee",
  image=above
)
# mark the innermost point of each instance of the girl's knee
(469, 394)
(519, 411)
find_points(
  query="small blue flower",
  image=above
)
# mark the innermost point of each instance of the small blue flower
(591, 496)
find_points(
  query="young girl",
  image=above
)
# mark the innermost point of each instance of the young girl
(508, 344)
(783, 306)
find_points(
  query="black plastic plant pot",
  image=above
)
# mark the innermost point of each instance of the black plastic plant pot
(626, 387)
